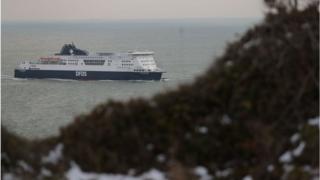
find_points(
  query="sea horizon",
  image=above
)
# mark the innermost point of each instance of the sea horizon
(215, 20)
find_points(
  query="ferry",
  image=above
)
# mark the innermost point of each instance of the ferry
(78, 64)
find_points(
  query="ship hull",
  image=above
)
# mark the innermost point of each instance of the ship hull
(86, 75)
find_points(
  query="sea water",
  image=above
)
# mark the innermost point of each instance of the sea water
(38, 108)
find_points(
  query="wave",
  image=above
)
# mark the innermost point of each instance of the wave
(8, 77)
(165, 79)
(4, 76)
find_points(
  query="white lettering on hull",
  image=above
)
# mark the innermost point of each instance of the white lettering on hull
(81, 73)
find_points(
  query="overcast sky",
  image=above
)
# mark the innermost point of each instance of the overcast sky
(34, 10)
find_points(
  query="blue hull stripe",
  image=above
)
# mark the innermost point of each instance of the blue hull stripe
(87, 75)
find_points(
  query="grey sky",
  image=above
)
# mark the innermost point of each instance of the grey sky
(127, 9)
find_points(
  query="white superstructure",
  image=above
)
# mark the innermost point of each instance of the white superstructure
(142, 61)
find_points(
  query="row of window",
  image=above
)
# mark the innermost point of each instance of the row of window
(94, 62)
(146, 60)
(89, 57)
(148, 64)
(144, 57)
(127, 64)
(139, 70)
(51, 62)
